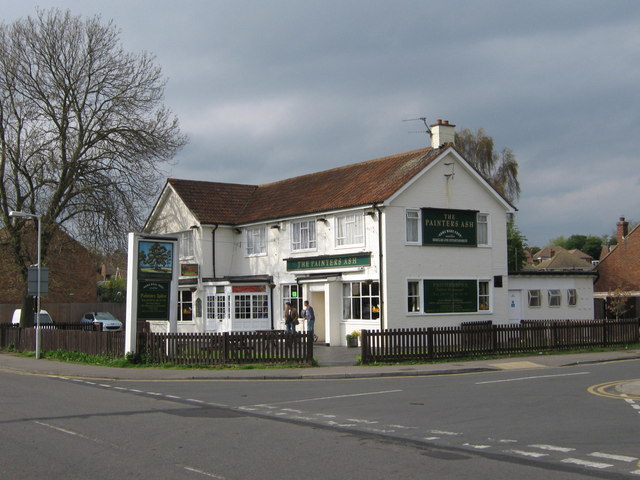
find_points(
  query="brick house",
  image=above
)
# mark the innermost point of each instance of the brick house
(72, 271)
(619, 271)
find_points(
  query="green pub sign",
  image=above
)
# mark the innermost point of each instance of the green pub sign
(153, 300)
(450, 296)
(449, 227)
(334, 261)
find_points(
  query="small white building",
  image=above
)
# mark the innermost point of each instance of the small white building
(411, 240)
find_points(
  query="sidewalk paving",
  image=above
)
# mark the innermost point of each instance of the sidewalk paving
(335, 363)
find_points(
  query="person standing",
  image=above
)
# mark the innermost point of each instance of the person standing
(290, 317)
(310, 317)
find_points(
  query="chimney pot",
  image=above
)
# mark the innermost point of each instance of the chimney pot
(442, 132)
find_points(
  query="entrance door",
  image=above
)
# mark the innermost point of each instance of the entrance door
(515, 306)
(317, 302)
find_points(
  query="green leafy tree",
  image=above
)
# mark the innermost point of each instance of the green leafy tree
(158, 256)
(516, 246)
(589, 244)
(500, 169)
(83, 132)
(113, 290)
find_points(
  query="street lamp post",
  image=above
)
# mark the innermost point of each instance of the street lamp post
(14, 213)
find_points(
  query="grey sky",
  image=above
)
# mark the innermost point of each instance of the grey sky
(272, 89)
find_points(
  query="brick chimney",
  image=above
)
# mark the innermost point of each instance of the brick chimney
(623, 229)
(442, 132)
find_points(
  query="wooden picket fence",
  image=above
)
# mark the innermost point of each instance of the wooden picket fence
(484, 338)
(269, 346)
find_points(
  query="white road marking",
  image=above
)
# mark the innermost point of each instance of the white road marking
(636, 472)
(529, 454)
(333, 397)
(532, 378)
(553, 448)
(585, 463)
(63, 430)
(202, 472)
(444, 432)
(610, 456)
(479, 447)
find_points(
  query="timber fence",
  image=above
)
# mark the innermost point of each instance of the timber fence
(483, 338)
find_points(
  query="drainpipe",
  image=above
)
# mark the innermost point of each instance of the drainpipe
(213, 250)
(380, 266)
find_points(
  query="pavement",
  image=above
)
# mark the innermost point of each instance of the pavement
(333, 363)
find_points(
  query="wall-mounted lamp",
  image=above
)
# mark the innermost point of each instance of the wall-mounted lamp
(371, 214)
(323, 220)
(276, 226)
(237, 230)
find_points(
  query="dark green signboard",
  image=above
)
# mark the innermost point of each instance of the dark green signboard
(450, 296)
(449, 227)
(153, 300)
(334, 261)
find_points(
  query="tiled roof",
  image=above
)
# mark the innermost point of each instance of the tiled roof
(564, 260)
(358, 184)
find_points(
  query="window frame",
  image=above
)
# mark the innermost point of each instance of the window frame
(486, 295)
(485, 223)
(531, 296)
(312, 236)
(414, 298)
(554, 297)
(353, 295)
(413, 221)
(572, 297)
(353, 227)
(182, 303)
(256, 241)
(287, 296)
(186, 244)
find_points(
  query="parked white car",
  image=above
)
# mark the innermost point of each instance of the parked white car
(104, 320)
(45, 318)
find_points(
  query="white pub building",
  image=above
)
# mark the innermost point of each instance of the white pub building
(416, 239)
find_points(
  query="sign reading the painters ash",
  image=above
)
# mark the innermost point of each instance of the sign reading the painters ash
(329, 261)
(457, 228)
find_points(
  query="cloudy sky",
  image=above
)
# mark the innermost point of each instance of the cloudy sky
(267, 89)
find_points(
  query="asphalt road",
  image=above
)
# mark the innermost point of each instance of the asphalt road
(558, 423)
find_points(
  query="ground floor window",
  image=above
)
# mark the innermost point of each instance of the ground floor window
(361, 300)
(249, 306)
(572, 297)
(293, 294)
(217, 307)
(448, 296)
(554, 298)
(185, 306)
(534, 298)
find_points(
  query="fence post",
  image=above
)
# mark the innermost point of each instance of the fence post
(309, 347)
(430, 342)
(604, 332)
(494, 338)
(364, 346)
(225, 346)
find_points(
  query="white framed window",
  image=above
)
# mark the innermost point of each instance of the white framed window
(250, 306)
(217, 307)
(185, 244)
(482, 222)
(256, 240)
(185, 306)
(413, 296)
(484, 296)
(350, 229)
(303, 235)
(554, 297)
(412, 221)
(292, 294)
(534, 298)
(361, 300)
(572, 297)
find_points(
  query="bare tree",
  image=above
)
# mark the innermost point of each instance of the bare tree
(500, 170)
(83, 130)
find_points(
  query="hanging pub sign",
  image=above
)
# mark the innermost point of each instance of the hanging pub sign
(450, 296)
(449, 227)
(189, 269)
(155, 259)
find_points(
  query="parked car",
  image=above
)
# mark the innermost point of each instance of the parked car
(104, 320)
(45, 318)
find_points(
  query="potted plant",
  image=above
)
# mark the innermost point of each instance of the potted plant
(352, 338)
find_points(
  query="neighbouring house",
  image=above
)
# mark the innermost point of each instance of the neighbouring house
(415, 239)
(72, 271)
(549, 252)
(617, 291)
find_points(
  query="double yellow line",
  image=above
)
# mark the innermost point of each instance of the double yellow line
(609, 390)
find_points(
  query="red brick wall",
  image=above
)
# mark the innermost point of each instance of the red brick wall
(621, 268)
(72, 272)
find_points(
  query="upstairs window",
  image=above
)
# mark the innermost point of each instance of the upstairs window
(483, 228)
(185, 244)
(350, 229)
(256, 241)
(303, 235)
(412, 226)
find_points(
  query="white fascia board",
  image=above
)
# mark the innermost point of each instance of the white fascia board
(474, 173)
(326, 213)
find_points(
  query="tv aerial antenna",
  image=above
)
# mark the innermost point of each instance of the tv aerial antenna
(424, 120)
